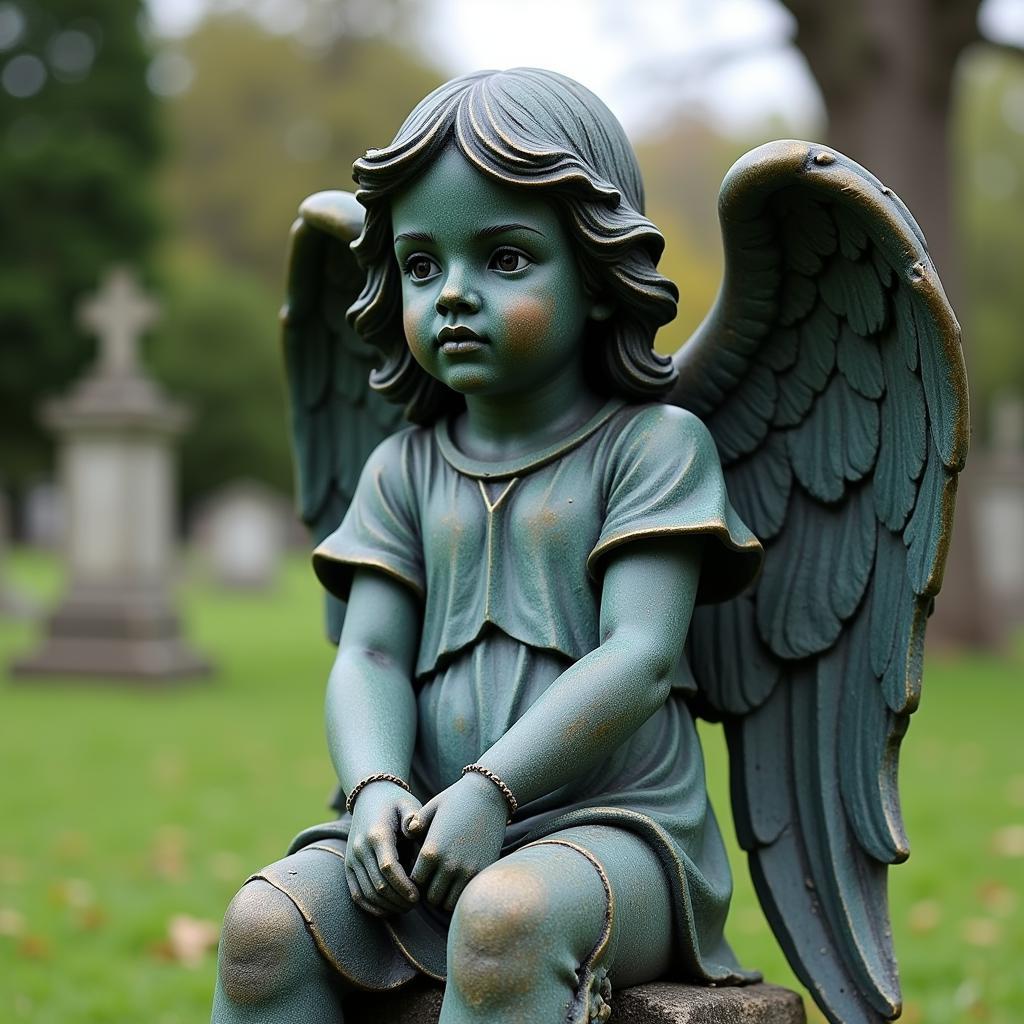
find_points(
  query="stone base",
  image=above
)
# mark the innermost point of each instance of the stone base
(657, 1003)
(127, 634)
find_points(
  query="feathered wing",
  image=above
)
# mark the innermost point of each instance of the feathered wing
(830, 374)
(336, 418)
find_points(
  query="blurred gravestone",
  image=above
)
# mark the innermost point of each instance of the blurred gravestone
(1001, 510)
(116, 431)
(241, 532)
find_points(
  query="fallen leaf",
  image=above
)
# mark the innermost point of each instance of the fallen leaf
(12, 922)
(997, 898)
(76, 893)
(982, 931)
(162, 951)
(90, 919)
(1009, 841)
(191, 939)
(925, 916)
(34, 947)
(167, 854)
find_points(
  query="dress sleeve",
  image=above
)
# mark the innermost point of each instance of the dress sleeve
(381, 528)
(663, 478)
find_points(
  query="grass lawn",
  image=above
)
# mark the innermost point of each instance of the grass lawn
(123, 811)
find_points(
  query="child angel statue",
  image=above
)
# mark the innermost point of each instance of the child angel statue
(574, 545)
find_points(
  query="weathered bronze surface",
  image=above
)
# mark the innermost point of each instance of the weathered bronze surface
(580, 544)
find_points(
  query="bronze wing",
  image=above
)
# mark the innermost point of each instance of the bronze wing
(830, 374)
(337, 419)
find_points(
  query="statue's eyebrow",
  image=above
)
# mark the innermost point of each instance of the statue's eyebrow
(415, 236)
(501, 229)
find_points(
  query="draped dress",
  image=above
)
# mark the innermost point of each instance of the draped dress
(507, 559)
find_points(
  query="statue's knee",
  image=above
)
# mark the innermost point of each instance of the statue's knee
(501, 931)
(262, 938)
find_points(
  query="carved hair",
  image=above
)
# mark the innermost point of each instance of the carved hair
(525, 128)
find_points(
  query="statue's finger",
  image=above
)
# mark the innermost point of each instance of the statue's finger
(423, 869)
(357, 896)
(440, 885)
(384, 895)
(417, 824)
(455, 892)
(391, 868)
(366, 889)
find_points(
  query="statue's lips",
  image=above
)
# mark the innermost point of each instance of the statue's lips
(452, 340)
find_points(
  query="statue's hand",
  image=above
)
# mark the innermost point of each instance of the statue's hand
(376, 878)
(463, 829)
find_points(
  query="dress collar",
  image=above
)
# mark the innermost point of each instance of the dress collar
(484, 469)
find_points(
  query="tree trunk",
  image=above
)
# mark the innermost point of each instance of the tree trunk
(886, 73)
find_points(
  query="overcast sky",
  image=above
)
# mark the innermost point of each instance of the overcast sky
(731, 58)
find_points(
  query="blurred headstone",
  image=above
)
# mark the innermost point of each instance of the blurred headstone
(241, 532)
(1001, 510)
(13, 604)
(44, 515)
(116, 432)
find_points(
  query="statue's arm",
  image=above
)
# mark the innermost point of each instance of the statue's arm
(370, 706)
(647, 599)
(371, 729)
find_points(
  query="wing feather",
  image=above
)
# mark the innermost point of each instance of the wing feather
(846, 468)
(336, 417)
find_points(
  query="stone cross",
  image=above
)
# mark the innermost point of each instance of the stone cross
(116, 429)
(118, 314)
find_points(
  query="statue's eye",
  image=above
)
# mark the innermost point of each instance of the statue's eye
(508, 261)
(421, 268)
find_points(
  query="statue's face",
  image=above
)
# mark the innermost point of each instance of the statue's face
(493, 299)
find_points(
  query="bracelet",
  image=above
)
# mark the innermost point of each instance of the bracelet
(350, 800)
(513, 804)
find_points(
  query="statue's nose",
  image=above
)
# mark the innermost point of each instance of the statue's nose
(457, 296)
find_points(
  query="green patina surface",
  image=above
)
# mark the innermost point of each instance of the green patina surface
(507, 280)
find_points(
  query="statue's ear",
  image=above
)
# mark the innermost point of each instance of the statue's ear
(600, 310)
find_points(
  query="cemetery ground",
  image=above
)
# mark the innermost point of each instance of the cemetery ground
(129, 816)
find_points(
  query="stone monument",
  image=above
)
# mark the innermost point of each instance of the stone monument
(116, 464)
(241, 531)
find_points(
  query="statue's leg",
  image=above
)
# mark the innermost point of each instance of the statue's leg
(293, 943)
(269, 969)
(536, 935)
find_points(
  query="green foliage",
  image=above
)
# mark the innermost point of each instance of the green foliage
(75, 173)
(267, 121)
(138, 806)
(217, 348)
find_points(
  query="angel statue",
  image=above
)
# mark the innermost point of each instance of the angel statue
(575, 545)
